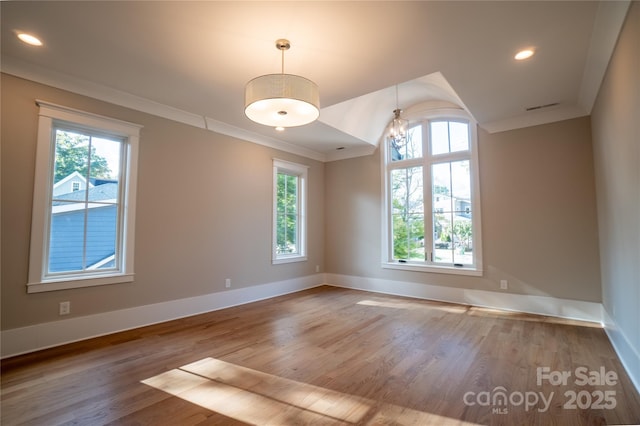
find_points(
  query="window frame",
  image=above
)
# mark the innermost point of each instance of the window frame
(426, 162)
(51, 116)
(301, 171)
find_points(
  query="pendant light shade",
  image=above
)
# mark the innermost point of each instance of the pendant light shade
(398, 128)
(282, 100)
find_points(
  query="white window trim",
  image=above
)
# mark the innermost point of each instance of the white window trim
(50, 113)
(387, 247)
(302, 172)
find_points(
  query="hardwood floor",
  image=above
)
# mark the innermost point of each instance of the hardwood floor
(328, 356)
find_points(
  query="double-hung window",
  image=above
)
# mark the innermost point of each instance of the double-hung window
(432, 202)
(289, 212)
(82, 231)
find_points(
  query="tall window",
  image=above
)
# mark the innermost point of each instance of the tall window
(289, 219)
(432, 198)
(84, 200)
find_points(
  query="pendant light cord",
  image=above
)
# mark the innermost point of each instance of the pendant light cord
(397, 106)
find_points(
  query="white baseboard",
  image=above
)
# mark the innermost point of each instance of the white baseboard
(628, 355)
(41, 336)
(541, 305)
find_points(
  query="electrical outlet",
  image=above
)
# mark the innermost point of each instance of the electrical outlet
(227, 282)
(504, 284)
(317, 268)
(64, 308)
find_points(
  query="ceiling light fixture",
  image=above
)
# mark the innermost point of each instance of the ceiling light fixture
(398, 126)
(29, 39)
(524, 54)
(282, 100)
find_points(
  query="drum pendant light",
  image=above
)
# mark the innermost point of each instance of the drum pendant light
(282, 100)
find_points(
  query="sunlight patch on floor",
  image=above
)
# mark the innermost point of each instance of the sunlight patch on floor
(523, 316)
(477, 311)
(455, 309)
(255, 397)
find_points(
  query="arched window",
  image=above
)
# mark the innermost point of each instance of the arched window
(432, 195)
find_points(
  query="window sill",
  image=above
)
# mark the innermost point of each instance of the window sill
(434, 269)
(80, 282)
(290, 259)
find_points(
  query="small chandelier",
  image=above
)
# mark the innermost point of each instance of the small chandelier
(282, 100)
(398, 126)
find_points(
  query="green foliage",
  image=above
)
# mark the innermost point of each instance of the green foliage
(408, 219)
(463, 230)
(440, 189)
(72, 155)
(287, 214)
(408, 237)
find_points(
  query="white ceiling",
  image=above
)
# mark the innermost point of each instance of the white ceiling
(190, 61)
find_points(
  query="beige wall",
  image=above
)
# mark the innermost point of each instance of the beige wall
(203, 212)
(538, 209)
(616, 140)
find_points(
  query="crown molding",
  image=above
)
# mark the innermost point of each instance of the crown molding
(66, 82)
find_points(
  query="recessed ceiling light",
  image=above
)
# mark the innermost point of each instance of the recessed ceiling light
(524, 54)
(30, 39)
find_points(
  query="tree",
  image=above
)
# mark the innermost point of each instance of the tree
(463, 230)
(72, 155)
(287, 215)
(407, 213)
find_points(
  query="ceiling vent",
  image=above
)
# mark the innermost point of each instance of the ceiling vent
(533, 108)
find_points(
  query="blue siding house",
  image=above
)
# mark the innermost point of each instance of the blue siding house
(83, 234)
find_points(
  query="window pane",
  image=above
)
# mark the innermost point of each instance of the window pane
(292, 233)
(415, 237)
(441, 187)
(71, 162)
(459, 136)
(66, 238)
(439, 137)
(452, 212)
(101, 236)
(414, 142)
(280, 191)
(463, 238)
(449, 136)
(407, 200)
(443, 238)
(460, 183)
(104, 163)
(407, 190)
(291, 194)
(281, 234)
(287, 234)
(409, 148)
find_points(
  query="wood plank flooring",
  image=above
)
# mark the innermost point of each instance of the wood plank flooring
(328, 356)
